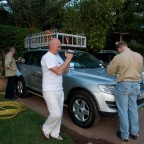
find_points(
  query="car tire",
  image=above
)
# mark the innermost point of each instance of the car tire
(83, 109)
(21, 89)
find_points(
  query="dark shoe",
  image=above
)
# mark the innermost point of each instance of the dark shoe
(14, 98)
(46, 136)
(134, 136)
(123, 139)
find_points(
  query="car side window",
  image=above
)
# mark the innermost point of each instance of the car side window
(109, 57)
(26, 57)
(35, 58)
(105, 57)
(62, 55)
(112, 56)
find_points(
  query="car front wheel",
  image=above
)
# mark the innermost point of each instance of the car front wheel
(83, 109)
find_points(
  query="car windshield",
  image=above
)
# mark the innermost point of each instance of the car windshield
(84, 60)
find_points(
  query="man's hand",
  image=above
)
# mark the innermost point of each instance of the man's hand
(12, 68)
(69, 54)
(19, 59)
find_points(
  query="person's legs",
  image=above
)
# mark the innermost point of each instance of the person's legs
(121, 97)
(133, 109)
(10, 87)
(7, 88)
(54, 119)
(56, 129)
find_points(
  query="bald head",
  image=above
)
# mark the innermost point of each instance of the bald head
(54, 45)
(54, 41)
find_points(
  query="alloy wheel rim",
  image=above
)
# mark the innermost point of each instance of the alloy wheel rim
(81, 110)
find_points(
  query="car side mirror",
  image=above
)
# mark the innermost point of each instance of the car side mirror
(22, 60)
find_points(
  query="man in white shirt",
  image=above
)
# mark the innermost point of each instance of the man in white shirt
(52, 68)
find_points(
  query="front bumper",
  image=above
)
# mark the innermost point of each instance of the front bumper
(107, 104)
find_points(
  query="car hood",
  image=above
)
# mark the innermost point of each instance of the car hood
(99, 73)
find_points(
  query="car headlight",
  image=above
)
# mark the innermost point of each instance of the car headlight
(107, 88)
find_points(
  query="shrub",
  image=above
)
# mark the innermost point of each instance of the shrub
(12, 37)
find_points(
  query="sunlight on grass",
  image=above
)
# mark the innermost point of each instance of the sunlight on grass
(25, 128)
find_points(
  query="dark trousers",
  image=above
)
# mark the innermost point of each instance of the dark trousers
(10, 87)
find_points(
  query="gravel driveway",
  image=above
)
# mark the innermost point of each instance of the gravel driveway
(103, 133)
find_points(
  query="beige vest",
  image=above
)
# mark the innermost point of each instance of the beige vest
(10, 62)
(127, 66)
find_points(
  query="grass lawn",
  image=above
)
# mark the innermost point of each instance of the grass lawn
(25, 128)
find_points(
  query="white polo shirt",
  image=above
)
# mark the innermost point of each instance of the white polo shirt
(51, 81)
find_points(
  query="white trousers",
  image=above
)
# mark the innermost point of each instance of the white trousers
(54, 101)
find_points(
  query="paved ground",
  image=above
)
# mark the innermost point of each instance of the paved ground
(105, 130)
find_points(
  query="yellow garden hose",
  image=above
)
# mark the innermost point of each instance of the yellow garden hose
(9, 109)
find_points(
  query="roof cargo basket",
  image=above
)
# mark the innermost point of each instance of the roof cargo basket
(41, 39)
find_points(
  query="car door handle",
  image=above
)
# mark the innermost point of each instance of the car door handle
(39, 72)
(23, 68)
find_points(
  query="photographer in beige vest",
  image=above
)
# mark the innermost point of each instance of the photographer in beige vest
(10, 73)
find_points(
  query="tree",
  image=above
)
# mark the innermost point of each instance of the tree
(5, 17)
(93, 18)
(37, 14)
(130, 19)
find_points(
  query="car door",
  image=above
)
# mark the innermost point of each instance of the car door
(39, 74)
(24, 67)
(29, 68)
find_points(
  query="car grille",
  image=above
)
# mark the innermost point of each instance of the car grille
(140, 102)
(141, 95)
(142, 86)
(111, 104)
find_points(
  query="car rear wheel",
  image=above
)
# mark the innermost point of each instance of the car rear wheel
(21, 89)
(83, 109)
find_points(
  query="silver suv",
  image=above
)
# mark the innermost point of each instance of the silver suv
(106, 55)
(87, 87)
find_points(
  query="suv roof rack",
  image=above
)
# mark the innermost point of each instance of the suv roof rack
(108, 51)
(41, 39)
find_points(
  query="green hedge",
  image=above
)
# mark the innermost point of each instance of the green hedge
(12, 36)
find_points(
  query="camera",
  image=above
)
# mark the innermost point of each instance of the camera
(70, 51)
